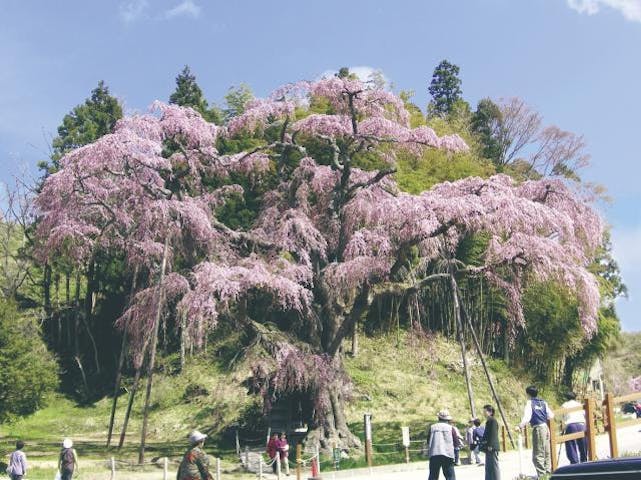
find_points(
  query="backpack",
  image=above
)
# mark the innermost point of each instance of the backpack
(66, 460)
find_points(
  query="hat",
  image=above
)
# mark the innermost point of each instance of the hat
(444, 415)
(196, 437)
(67, 443)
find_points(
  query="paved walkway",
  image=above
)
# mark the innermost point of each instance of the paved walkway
(629, 440)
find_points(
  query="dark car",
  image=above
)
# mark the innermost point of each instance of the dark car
(618, 469)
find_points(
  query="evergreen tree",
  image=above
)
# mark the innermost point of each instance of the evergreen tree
(189, 94)
(486, 122)
(237, 99)
(84, 124)
(445, 88)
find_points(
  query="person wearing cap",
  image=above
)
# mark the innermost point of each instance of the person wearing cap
(440, 447)
(537, 413)
(574, 422)
(67, 460)
(195, 462)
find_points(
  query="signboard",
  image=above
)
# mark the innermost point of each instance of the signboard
(406, 436)
(368, 426)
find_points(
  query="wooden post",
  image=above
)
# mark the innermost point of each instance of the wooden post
(590, 428)
(459, 327)
(299, 461)
(113, 468)
(217, 468)
(237, 443)
(503, 442)
(612, 425)
(165, 473)
(367, 422)
(526, 437)
(318, 461)
(405, 433)
(553, 443)
(278, 466)
(260, 466)
(247, 457)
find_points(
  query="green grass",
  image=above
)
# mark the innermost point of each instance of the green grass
(401, 382)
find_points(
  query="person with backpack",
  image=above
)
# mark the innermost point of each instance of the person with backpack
(537, 413)
(440, 447)
(474, 435)
(68, 460)
(17, 468)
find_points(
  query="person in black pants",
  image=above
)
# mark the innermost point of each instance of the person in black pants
(490, 445)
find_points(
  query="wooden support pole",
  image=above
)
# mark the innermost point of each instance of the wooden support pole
(612, 425)
(459, 327)
(503, 442)
(237, 443)
(299, 461)
(113, 468)
(367, 425)
(553, 443)
(165, 466)
(526, 437)
(590, 428)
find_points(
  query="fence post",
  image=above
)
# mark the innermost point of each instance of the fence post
(526, 436)
(278, 466)
(113, 468)
(217, 468)
(237, 443)
(612, 426)
(318, 467)
(165, 473)
(503, 443)
(405, 434)
(247, 457)
(590, 428)
(553, 450)
(367, 422)
(260, 467)
(299, 461)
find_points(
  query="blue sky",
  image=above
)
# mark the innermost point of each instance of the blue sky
(576, 61)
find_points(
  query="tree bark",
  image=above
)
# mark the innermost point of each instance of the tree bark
(355, 340)
(152, 355)
(132, 394)
(46, 289)
(459, 327)
(121, 363)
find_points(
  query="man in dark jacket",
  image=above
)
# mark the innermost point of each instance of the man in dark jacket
(490, 444)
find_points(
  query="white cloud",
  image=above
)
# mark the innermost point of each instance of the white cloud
(364, 73)
(187, 8)
(133, 10)
(631, 9)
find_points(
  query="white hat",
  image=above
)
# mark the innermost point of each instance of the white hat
(67, 443)
(196, 437)
(444, 415)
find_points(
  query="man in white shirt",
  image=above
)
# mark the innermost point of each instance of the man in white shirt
(574, 422)
(537, 413)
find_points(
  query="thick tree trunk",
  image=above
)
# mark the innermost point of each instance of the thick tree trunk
(152, 355)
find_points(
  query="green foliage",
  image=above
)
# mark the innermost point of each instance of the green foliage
(484, 124)
(189, 94)
(84, 124)
(236, 99)
(445, 88)
(27, 369)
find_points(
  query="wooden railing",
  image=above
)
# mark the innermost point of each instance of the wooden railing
(589, 408)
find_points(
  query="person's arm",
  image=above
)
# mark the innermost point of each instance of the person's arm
(23, 461)
(549, 411)
(527, 414)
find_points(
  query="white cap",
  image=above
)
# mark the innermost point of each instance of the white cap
(67, 443)
(196, 437)
(444, 415)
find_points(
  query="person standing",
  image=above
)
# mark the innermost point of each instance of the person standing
(283, 451)
(17, 468)
(537, 413)
(68, 460)
(473, 436)
(490, 444)
(195, 462)
(458, 443)
(272, 449)
(440, 448)
(574, 422)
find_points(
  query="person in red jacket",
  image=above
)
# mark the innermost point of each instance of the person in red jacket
(272, 449)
